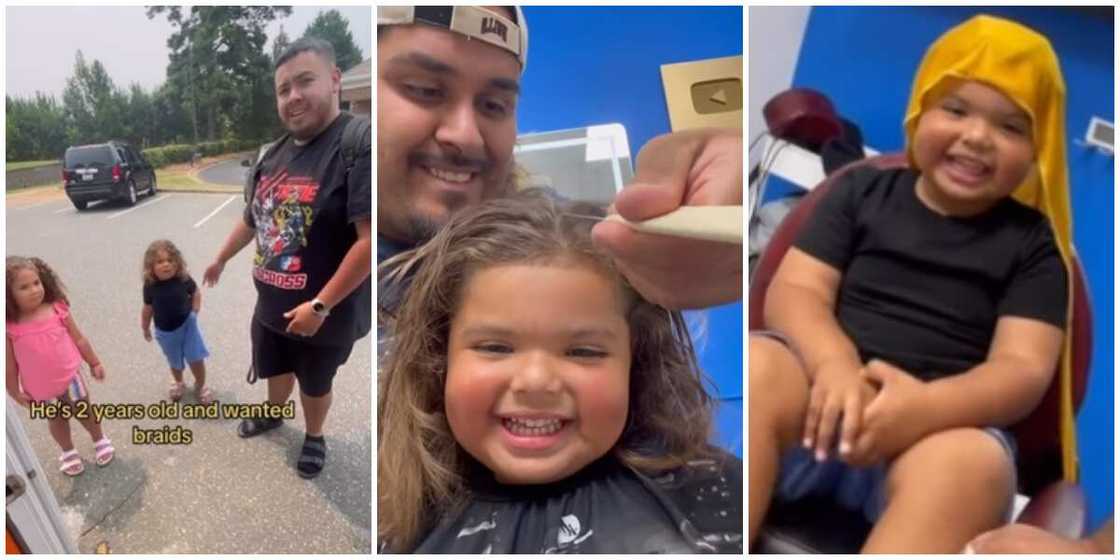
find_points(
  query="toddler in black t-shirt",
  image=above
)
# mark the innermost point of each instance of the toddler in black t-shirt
(922, 310)
(173, 300)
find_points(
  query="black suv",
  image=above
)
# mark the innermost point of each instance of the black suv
(105, 171)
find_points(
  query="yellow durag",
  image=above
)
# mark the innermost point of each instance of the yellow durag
(1020, 63)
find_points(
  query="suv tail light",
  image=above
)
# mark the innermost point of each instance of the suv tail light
(65, 176)
(117, 173)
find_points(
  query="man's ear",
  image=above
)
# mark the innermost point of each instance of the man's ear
(336, 80)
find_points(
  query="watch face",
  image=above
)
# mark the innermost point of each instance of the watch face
(318, 306)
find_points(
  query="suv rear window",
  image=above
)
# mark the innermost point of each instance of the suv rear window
(88, 156)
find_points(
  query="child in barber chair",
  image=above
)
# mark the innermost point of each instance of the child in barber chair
(921, 311)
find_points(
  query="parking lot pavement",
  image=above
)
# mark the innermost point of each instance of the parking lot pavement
(228, 172)
(221, 493)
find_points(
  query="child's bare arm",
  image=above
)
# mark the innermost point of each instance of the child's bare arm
(84, 347)
(196, 301)
(146, 321)
(12, 381)
(1007, 386)
(800, 303)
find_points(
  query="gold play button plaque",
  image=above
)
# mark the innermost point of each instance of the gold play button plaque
(704, 93)
(717, 96)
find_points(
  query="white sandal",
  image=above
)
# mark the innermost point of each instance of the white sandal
(69, 460)
(176, 391)
(104, 452)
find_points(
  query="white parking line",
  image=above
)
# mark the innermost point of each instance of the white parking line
(65, 209)
(216, 210)
(137, 207)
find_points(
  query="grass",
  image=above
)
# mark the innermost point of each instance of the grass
(17, 165)
(169, 178)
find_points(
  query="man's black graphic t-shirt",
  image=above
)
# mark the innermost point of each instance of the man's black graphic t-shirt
(170, 300)
(605, 508)
(304, 209)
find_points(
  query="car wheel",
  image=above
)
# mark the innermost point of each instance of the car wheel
(132, 193)
(152, 187)
(80, 204)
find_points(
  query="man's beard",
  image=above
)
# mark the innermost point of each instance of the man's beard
(421, 229)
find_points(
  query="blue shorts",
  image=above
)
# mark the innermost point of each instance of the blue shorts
(184, 344)
(860, 489)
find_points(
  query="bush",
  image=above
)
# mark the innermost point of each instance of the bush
(167, 155)
(181, 153)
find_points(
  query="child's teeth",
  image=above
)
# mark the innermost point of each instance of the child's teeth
(969, 165)
(532, 427)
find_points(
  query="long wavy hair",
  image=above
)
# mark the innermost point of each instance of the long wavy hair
(421, 466)
(148, 272)
(53, 290)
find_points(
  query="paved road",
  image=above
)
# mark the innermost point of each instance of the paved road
(229, 172)
(221, 493)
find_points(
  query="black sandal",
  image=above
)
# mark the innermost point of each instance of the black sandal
(250, 427)
(312, 457)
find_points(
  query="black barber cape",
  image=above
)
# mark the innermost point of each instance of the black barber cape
(605, 508)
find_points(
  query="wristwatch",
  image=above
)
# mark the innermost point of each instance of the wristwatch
(319, 308)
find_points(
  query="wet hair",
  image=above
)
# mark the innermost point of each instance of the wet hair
(423, 466)
(320, 47)
(152, 253)
(53, 290)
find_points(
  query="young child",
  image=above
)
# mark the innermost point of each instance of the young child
(173, 300)
(45, 352)
(533, 402)
(922, 310)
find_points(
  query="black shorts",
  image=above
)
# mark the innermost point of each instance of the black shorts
(314, 365)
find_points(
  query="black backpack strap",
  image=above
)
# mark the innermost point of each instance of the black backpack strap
(250, 187)
(355, 141)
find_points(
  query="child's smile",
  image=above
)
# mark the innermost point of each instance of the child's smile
(974, 147)
(538, 369)
(533, 432)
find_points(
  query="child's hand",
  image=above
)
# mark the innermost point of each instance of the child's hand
(147, 335)
(98, 372)
(22, 398)
(838, 394)
(891, 422)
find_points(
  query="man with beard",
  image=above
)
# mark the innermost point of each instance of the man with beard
(310, 214)
(448, 85)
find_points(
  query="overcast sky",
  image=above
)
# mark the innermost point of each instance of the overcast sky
(41, 43)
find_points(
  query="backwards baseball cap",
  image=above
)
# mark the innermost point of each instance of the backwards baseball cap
(472, 21)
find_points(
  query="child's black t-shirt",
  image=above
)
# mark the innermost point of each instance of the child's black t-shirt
(303, 210)
(924, 291)
(605, 508)
(170, 300)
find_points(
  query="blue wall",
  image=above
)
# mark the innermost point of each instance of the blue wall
(592, 65)
(864, 59)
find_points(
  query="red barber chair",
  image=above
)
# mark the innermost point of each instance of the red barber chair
(819, 526)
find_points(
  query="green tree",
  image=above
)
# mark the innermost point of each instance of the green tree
(279, 45)
(219, 68)
(94, 108)
(331, 26)
(34, 128)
